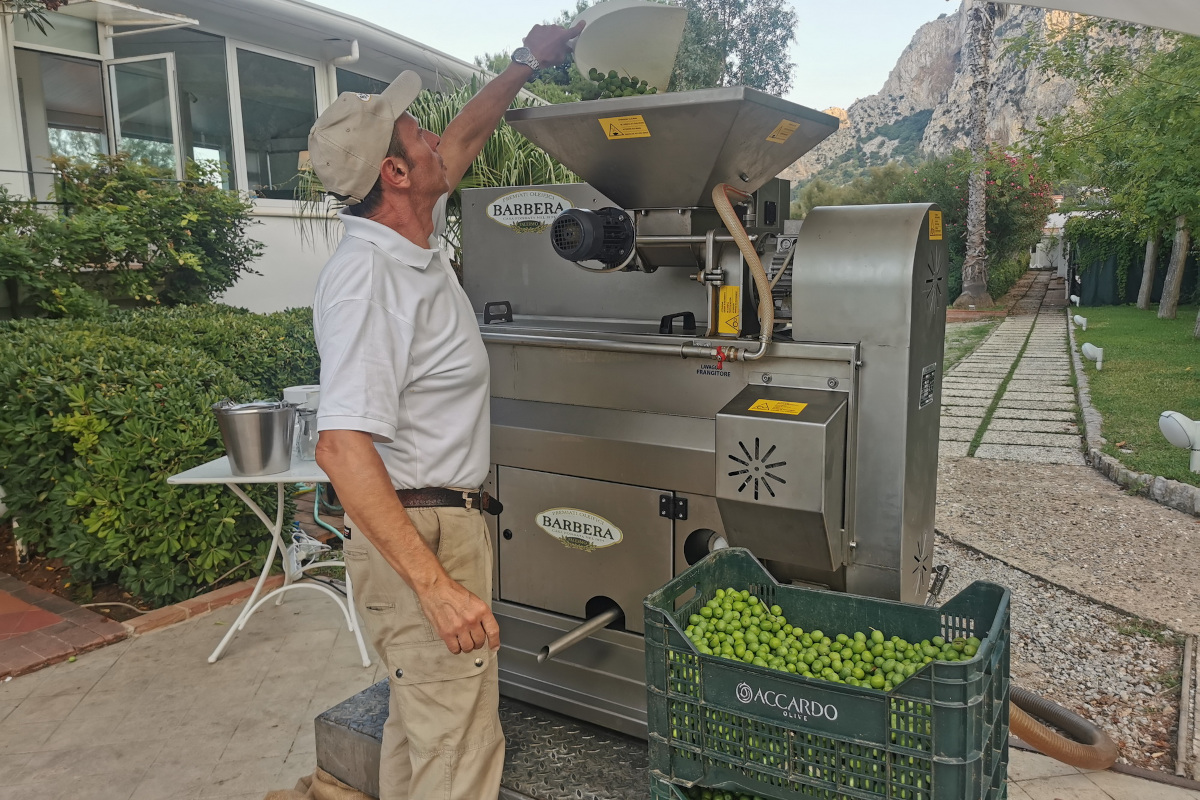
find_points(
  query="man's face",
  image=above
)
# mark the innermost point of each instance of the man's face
(426, 169)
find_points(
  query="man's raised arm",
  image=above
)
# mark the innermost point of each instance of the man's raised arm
(466, 134)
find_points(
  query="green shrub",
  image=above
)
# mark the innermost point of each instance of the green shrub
(1004, 273)
(92, 423)
(268, 351)
(128, 231)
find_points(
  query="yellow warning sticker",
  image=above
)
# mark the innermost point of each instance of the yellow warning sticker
(779, 407)
(783, 131)
(935, 226)
(631, 127)
(729, 310)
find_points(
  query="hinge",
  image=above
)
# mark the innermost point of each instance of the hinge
(671, 507)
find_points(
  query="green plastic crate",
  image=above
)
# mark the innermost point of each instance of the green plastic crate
(661, 790)
(940, 735)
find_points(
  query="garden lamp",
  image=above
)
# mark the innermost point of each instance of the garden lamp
(1182, 432)
(1080, 321)
(1075, 300)
(1093, 353)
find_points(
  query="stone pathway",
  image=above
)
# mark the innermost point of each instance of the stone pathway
(1032, 407)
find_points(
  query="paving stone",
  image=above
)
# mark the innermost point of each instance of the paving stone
(1055, 378)
(954, 449)
(1031, 425)
(1037, 439)
(948, 391)
(1039, 386)
(958, 434)
(972, 423)
(960, 411)
(1033, 413)
(967, 402)
(1052, 397)
(1035, 455)
(1046, 405)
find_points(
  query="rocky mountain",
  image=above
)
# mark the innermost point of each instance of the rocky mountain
(922, 109)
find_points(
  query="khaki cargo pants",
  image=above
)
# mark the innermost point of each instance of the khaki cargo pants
(442, 739)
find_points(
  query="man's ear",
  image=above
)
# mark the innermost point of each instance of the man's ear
(394, 172)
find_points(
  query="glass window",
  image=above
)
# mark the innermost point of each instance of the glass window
(62, 31)
(348, 81)
(62, 111)
(203, 89)
(142, 108)
(279, 107)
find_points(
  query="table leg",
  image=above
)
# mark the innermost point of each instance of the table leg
(276, 547)
(290, 581)
(240, 622)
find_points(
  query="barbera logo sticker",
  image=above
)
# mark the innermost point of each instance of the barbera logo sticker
(792, 707)
(580, 530)
(528, 211)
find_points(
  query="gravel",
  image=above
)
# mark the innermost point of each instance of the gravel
(1109, 667)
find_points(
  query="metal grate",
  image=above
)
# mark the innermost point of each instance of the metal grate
(757, 467)
(566, 235)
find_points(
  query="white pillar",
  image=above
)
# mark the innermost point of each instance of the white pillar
(12, 143)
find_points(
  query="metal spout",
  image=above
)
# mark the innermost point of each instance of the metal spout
(578, 634)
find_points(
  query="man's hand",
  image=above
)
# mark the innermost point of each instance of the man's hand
(464, 622)
(548, 43)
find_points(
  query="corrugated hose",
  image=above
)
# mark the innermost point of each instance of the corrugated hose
(1094, 748)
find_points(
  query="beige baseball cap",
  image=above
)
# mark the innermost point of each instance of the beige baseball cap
(350, 139)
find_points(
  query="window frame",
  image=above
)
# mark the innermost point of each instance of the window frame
(241, 171)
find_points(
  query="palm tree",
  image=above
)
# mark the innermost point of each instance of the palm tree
(981, 25)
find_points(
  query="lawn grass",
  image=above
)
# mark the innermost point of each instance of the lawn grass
(1151, 365)
(963, 337)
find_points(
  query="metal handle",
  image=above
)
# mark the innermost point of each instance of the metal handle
(578, 634)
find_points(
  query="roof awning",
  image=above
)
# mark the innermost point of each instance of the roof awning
(124, 15)
(1174, 15)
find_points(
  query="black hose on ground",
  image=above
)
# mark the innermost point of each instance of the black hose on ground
(1094, 748)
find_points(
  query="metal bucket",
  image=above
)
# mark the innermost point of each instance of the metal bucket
(258, 435)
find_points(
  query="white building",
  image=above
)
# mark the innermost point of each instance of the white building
(239, 81)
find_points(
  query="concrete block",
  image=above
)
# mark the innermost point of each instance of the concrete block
(1158, 489)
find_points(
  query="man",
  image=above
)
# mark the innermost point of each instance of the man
(404, 424)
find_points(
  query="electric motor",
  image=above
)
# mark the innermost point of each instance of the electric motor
(580, 234)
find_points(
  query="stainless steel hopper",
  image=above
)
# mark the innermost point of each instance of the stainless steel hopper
(670, 150)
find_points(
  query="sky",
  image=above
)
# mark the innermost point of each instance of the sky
(843, 50)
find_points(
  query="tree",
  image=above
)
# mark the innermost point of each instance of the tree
(736, 43)
(981, 22)
(1133, 140)
(1149, 268)
(33, 11)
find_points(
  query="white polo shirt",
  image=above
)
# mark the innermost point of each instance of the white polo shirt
(401, 356)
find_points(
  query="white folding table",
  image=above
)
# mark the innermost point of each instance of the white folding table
(218, 471)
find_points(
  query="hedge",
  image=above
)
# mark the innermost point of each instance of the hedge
(97, 414)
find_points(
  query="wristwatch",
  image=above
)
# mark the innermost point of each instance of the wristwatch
(523, 55)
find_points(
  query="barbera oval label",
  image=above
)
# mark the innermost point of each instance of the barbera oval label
(528, 211)
(581, 530)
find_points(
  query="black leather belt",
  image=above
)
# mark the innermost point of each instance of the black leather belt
(449, 498)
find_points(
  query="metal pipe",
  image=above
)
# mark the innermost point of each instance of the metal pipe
(650, 241)
(579, 633)
(345, 61)
(685, 350)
